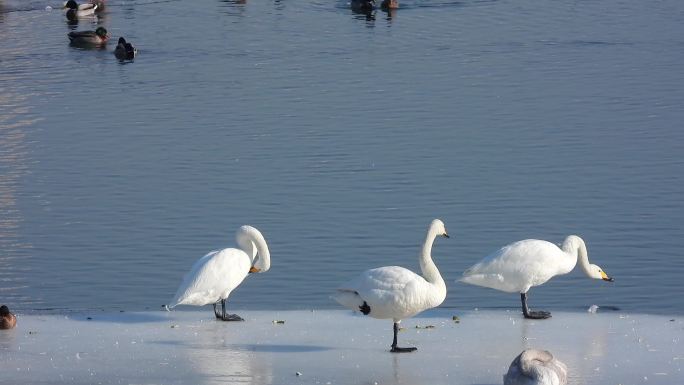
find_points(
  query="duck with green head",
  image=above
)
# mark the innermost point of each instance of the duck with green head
(96, 37)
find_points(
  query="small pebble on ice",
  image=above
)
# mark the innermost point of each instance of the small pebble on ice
(593, 308)
(299, 373)
(48, 8)
(278, 321)
(174, 326)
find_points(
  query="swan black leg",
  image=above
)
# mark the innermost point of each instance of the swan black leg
(532, 314)
(228, 317)
(216, 313)
(396, 349)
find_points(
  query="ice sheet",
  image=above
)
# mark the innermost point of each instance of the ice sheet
(334, 347)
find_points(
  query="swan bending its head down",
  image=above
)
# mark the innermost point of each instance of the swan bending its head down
(395, 292)
(536, 367)
(213, 277)
(531, 262)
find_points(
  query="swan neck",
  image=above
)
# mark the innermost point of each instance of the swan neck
(575, 246)
(253, 243)
(427, 266)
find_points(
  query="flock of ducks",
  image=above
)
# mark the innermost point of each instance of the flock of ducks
(396, 293)
(99, 37)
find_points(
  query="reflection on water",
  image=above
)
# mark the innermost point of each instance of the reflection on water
(15, 251)
(219, 363)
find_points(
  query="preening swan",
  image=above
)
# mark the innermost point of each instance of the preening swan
(536, 367)
(215, 275)
(531, 262)
(395, 292)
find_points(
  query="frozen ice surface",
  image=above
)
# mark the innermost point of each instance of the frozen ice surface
(334, 347)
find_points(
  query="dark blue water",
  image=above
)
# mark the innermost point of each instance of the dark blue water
(340, 136)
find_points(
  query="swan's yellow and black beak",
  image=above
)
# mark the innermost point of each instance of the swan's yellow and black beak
(605, 277)
(254, 270)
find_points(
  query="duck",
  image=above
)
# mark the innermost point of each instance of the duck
(522, 265)
(7, 319)
(362, 5)
(213, 277)
(536, 367)
(99, 3)
(75, 10)
(124, 50)
(97, 37)
(387, 5)
(393, 292)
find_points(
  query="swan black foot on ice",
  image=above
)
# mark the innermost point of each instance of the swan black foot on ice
(223, 316)
(395, 348)
(527, 313)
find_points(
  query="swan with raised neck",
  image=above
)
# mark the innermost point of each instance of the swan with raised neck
(393, 292)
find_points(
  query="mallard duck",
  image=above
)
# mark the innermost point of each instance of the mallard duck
(7, 319)
(76, 10)
(124, 50)
(97, 37)
(386, 5)
(99, 3)
(362, 5)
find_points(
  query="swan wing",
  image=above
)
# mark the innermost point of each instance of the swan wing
(517, 267)
(390, 292)
(212, 277)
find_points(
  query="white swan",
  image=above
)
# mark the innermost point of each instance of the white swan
(524, 264)
(395, 292)
(215, 275)
(536, 367)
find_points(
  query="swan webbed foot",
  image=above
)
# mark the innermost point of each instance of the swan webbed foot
(231, 317)
(396, 349)
(365, 309)
(541, 314)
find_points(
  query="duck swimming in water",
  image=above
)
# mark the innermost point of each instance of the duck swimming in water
(96, 37)
(387, 5)
(124, 50)
(7, 319)
(362, 5)
(76, 10)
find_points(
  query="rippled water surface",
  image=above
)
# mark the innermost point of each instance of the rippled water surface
(340, 136)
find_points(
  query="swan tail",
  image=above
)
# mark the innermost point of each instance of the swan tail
(349, 299)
